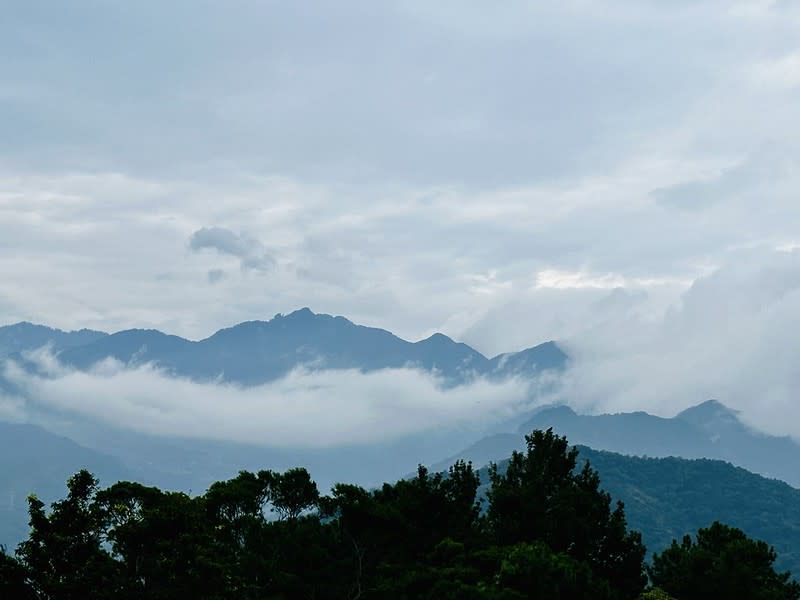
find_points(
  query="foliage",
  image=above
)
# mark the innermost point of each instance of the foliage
(541, 496)
(655, 594)
(723, 563)
(548, 531)
(13, 578)
(668, 497)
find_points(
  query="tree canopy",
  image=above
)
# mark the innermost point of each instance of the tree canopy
(547, 531)
(722, 562)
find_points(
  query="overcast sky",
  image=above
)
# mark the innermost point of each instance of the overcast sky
(620, 176)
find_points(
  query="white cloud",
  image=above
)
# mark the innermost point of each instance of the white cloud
(782, 72)
(732, 336)
(507, 175)
(304, 409)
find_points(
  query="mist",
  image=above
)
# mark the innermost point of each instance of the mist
(730, 336)
(305, 409)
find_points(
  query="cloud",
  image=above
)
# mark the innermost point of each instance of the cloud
(748, 180)
(731, 336)
(537, 171)
(304, 409)
(782, 72)
(215, 276)
(250, 251)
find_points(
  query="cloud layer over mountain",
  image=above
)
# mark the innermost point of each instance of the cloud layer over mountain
(622, 176)
(732, 336)
(303, 409)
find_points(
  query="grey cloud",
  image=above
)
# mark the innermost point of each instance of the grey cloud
(755, 175)
(475, 96)
(251, 252)
(215, 276)
(410, 150)
(305, 409)
(728, 337)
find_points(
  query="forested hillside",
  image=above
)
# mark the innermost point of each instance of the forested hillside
(547, 530)
(667, 497)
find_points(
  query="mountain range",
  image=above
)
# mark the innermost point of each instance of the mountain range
(666, 498)
(257, 352)
(36, 458)
(708, 430)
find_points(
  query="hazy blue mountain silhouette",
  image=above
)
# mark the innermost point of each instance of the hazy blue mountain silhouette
(708, 430)
(260, 351)
(547, 356)
(33, 459)
(247, 354)
(23, 337)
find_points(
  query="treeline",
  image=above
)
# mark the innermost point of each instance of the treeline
(547, 531)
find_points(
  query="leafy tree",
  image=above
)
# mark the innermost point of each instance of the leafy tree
(64, 552)
(722, 563)
(542, 497)
(654, 594)
(535, 571)
(13, 578)
(549, 532)
(292, 492)
(391, 532)
(163, 541)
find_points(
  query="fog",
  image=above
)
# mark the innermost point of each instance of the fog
(304, 409)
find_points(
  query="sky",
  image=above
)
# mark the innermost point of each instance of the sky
(621, 176)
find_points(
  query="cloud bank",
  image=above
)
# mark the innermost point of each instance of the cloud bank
(732, 336)
(577, 171)
(302, 410)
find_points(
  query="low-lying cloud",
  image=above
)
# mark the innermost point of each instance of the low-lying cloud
(303, 409)
(732, 336)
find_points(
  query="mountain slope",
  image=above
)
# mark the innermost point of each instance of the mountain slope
(23, 337)
(35, 460)
(708, 430)
(666, 498)
(547, 356)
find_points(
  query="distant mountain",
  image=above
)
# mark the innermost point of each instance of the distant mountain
(23, 337)
(547, 356)
(260, 351)
(35, 460)
(246, 354)
(708, 430)
(666, 498)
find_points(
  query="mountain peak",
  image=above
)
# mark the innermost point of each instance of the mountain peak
(437, 338)
(708, 411)
(302, 313)
(28, 326)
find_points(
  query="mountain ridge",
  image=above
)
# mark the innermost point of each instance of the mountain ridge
(707, 430)
(668, 497)
(255, 352)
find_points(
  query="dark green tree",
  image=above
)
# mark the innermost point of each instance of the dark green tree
(14, 578)
(541, 496)
(392, 532)
(164, 543)
(535, 571)
(63, 553)
(722, 563)
(291, 493)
